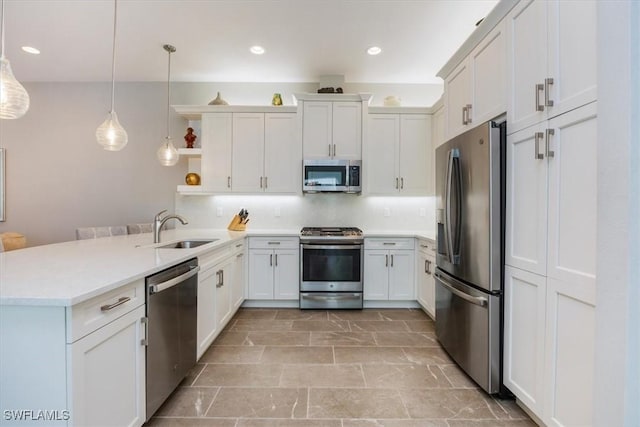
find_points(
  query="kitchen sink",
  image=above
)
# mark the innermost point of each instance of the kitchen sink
(186, 244)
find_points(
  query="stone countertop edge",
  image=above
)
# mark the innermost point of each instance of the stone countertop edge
(68, 273)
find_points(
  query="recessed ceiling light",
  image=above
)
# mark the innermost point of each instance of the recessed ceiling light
(374, 50)
(31, 50)
(257, 50)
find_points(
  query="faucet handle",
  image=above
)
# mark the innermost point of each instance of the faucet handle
(158, 216)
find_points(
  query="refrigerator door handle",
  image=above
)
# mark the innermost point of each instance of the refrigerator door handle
(482, 302)
(454, 161)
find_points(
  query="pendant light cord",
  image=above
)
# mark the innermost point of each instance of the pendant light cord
(2, 32)
(168, 91)
(113, 55)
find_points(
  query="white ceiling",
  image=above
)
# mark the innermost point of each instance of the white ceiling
(304, 39)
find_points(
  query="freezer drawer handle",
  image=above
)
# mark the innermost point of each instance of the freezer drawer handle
(482, 302)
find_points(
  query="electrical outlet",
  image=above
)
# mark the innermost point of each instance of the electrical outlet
(219, 211)
(423, 212)
(387, 212)
(276, 211)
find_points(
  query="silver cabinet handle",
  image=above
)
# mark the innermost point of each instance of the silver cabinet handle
(145, 324)
(260, 182)
(424, 246)
(389, 243)
(334, 150)
(402, 183)
(537, 137)
(397, 183)
(276, 260)
(550, 133)
(392, 260)
(386, 260)
(547, 82)
(464, 115)
(271, 260)
(329, 150)
(273, 243)
(228, 182)
(239, 245)
(239, 255)
(469, 106)
(220, 276)
(539, 88)
(428, 266)
(265, 182)
(120, 301)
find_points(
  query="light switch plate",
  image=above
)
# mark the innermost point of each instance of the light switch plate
(219, 211)
(387, 212)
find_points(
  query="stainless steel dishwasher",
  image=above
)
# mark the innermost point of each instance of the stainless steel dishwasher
(171, 336)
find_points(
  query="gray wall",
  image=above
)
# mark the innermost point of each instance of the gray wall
(59, 178)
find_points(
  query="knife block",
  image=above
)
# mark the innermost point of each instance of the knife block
(236, 224)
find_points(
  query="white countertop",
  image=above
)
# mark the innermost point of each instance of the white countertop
(64, 274)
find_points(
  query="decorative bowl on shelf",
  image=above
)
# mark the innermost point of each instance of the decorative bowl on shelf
(192, 178)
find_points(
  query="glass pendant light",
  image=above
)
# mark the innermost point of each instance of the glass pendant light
(167, 153)
(110, 134)
(14, 99)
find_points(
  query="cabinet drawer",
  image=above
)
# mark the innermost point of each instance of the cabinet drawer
(274, 242)
(389, 243)
(211, 258)
(88, 316)
(427, 246)
(237, 247)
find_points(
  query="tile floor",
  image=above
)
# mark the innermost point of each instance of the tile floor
(290, 368)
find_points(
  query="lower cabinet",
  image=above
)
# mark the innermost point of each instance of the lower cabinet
(425, 283)
(220, 291)
(389, 273)
(108, 374)
(274, 268)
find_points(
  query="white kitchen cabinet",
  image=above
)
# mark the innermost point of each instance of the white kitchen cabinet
(332, 129)
(108, 374)
(389, 273)
(552, 59)
(266, 153)
(206, 323)
(399, 154)
(238, 274)
(274, 268)
(551, 232)
(425, 282)
(524, 336)
(476, 91)
(217, 146)
(437, 128)
(224, 284)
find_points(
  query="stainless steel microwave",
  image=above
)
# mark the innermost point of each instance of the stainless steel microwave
(331, 175)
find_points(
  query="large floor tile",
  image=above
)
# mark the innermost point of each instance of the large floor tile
(188, 402)
(232, 354)
(404, 314)
(363, 355)
(491, 423)
(241, 375)
(378, 326)
(295, 314)
(427, 355)
(261, 325)
(293, 355)
(394, 423)
(249, 422)
(260, 403)
(278, 338)
(406, 339)
(355, 315)
(421, 325)
(404, 376)
(447, 404)
(321, 325)
(355, 403)
(457, 377)
(343, 338)
(191, 422)
(322, 376)
(256, 313)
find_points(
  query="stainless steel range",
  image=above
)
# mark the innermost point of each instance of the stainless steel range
(331, 268)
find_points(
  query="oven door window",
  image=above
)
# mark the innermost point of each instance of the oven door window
(325, 176)
(331, 265)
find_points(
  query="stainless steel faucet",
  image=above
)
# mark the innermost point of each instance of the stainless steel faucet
(158, 223)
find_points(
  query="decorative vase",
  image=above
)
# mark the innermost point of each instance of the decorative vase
(190, 137)
(218, 101)
(276, 100)
(192, 178)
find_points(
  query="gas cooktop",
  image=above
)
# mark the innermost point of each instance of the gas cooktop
(309, 234)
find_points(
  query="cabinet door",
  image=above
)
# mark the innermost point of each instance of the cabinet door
(415, 154)
(437, 134)
(317, 124)
(286, 274)
(457, 90)
(524, 335)
(223, 295)
(401, 275)
(382, 175)
(347, 130)
(238, 282)
(488, 63)
(248, 152)
(207, 326)
(527, 59)
(572, 54)
(260, 274)
(216, 151)
(570, 353)
(108, 374)
(425, 283)
(526, 204)
(376, 275)
(282, 153)
(572, 197)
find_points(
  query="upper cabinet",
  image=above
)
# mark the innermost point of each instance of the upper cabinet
(249, 149)
(398, 154)
(476, 91)
(332, 125)
(552, 59)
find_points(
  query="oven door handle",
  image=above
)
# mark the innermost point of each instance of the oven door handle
(307, 246)
(159, 287)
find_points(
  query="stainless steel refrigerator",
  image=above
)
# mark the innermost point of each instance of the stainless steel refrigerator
(470, 242)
